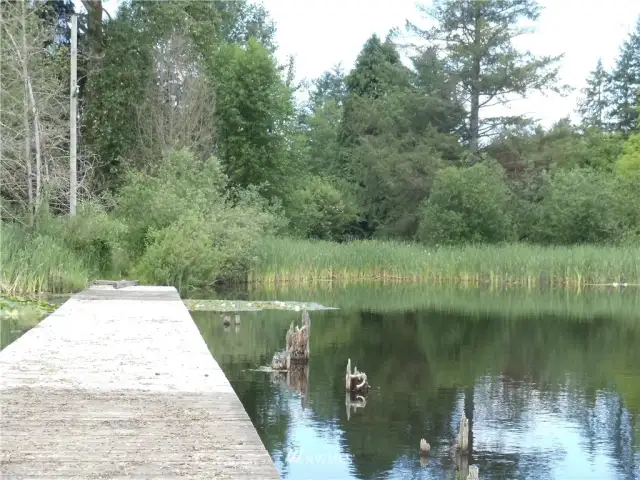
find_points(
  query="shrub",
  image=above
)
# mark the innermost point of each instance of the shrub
(467, 205)
(319, 210)
(187, 226)
(579, 206)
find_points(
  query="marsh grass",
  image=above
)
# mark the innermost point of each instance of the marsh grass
(33, 264)
(283, 260)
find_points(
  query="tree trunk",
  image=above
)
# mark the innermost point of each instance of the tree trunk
(474, 113)
(34, 111)
(27, 126)
(38, 146)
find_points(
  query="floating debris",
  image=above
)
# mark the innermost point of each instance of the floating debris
(195, 305)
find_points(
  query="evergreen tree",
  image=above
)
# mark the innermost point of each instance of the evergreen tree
(595, 103)
(476, 37)
(626, 84)
(378, 71)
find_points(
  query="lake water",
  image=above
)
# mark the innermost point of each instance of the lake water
(549, 381)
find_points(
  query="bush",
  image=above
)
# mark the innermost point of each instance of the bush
(629, 162)
(580, 206)
(187, 226)
(319, 210)
(467, 205)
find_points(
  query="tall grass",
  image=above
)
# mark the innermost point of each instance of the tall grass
(34, 263)
(282, 260)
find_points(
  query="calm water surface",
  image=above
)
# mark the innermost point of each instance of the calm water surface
(550, 383)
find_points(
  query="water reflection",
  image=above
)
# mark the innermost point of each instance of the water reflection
(547, 396)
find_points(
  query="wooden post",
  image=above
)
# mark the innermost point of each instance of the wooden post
(73, 104)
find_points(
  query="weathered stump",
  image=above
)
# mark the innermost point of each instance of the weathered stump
(297, 339)
(356, 381)
(280, 361)
(462, 445)
(425, 448)
(296, 346)
(474, 473)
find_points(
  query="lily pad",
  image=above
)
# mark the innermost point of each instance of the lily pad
(250, 306)
(24, 311)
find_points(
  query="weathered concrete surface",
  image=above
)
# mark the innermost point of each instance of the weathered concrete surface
(120, 384)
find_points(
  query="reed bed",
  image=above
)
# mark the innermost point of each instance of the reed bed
(32, 264)
(283, 260)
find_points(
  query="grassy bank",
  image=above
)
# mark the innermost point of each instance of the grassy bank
(33, 264)
(306, 262)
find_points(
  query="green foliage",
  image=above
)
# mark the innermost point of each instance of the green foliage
(96, 236)
(187, 117)
(629, 162)
(184, 225)
(579, 206)
(282, 260)
(595, 104)
(625, 91)
(320, 210)
(476, 40)
(254, 106)
(34, 263)
(468, 205)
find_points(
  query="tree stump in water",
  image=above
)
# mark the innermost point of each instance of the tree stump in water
(356, 382)
(297, 339)
(297, 346)
(474, 473)
(425, 448)
(462, 444)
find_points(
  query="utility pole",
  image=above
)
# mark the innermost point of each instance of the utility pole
(73, 103)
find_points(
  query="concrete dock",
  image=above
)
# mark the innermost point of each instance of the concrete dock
(118, 383)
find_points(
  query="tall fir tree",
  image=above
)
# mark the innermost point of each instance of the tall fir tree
(378, 71)
(626, 84)
(476, 37)
(595, 105)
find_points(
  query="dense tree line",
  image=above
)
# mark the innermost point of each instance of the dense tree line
(401, 146)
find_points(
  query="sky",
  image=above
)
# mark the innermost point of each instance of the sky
(323, 33)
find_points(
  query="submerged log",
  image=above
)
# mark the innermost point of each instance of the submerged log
(356, 381)
(462, 445)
